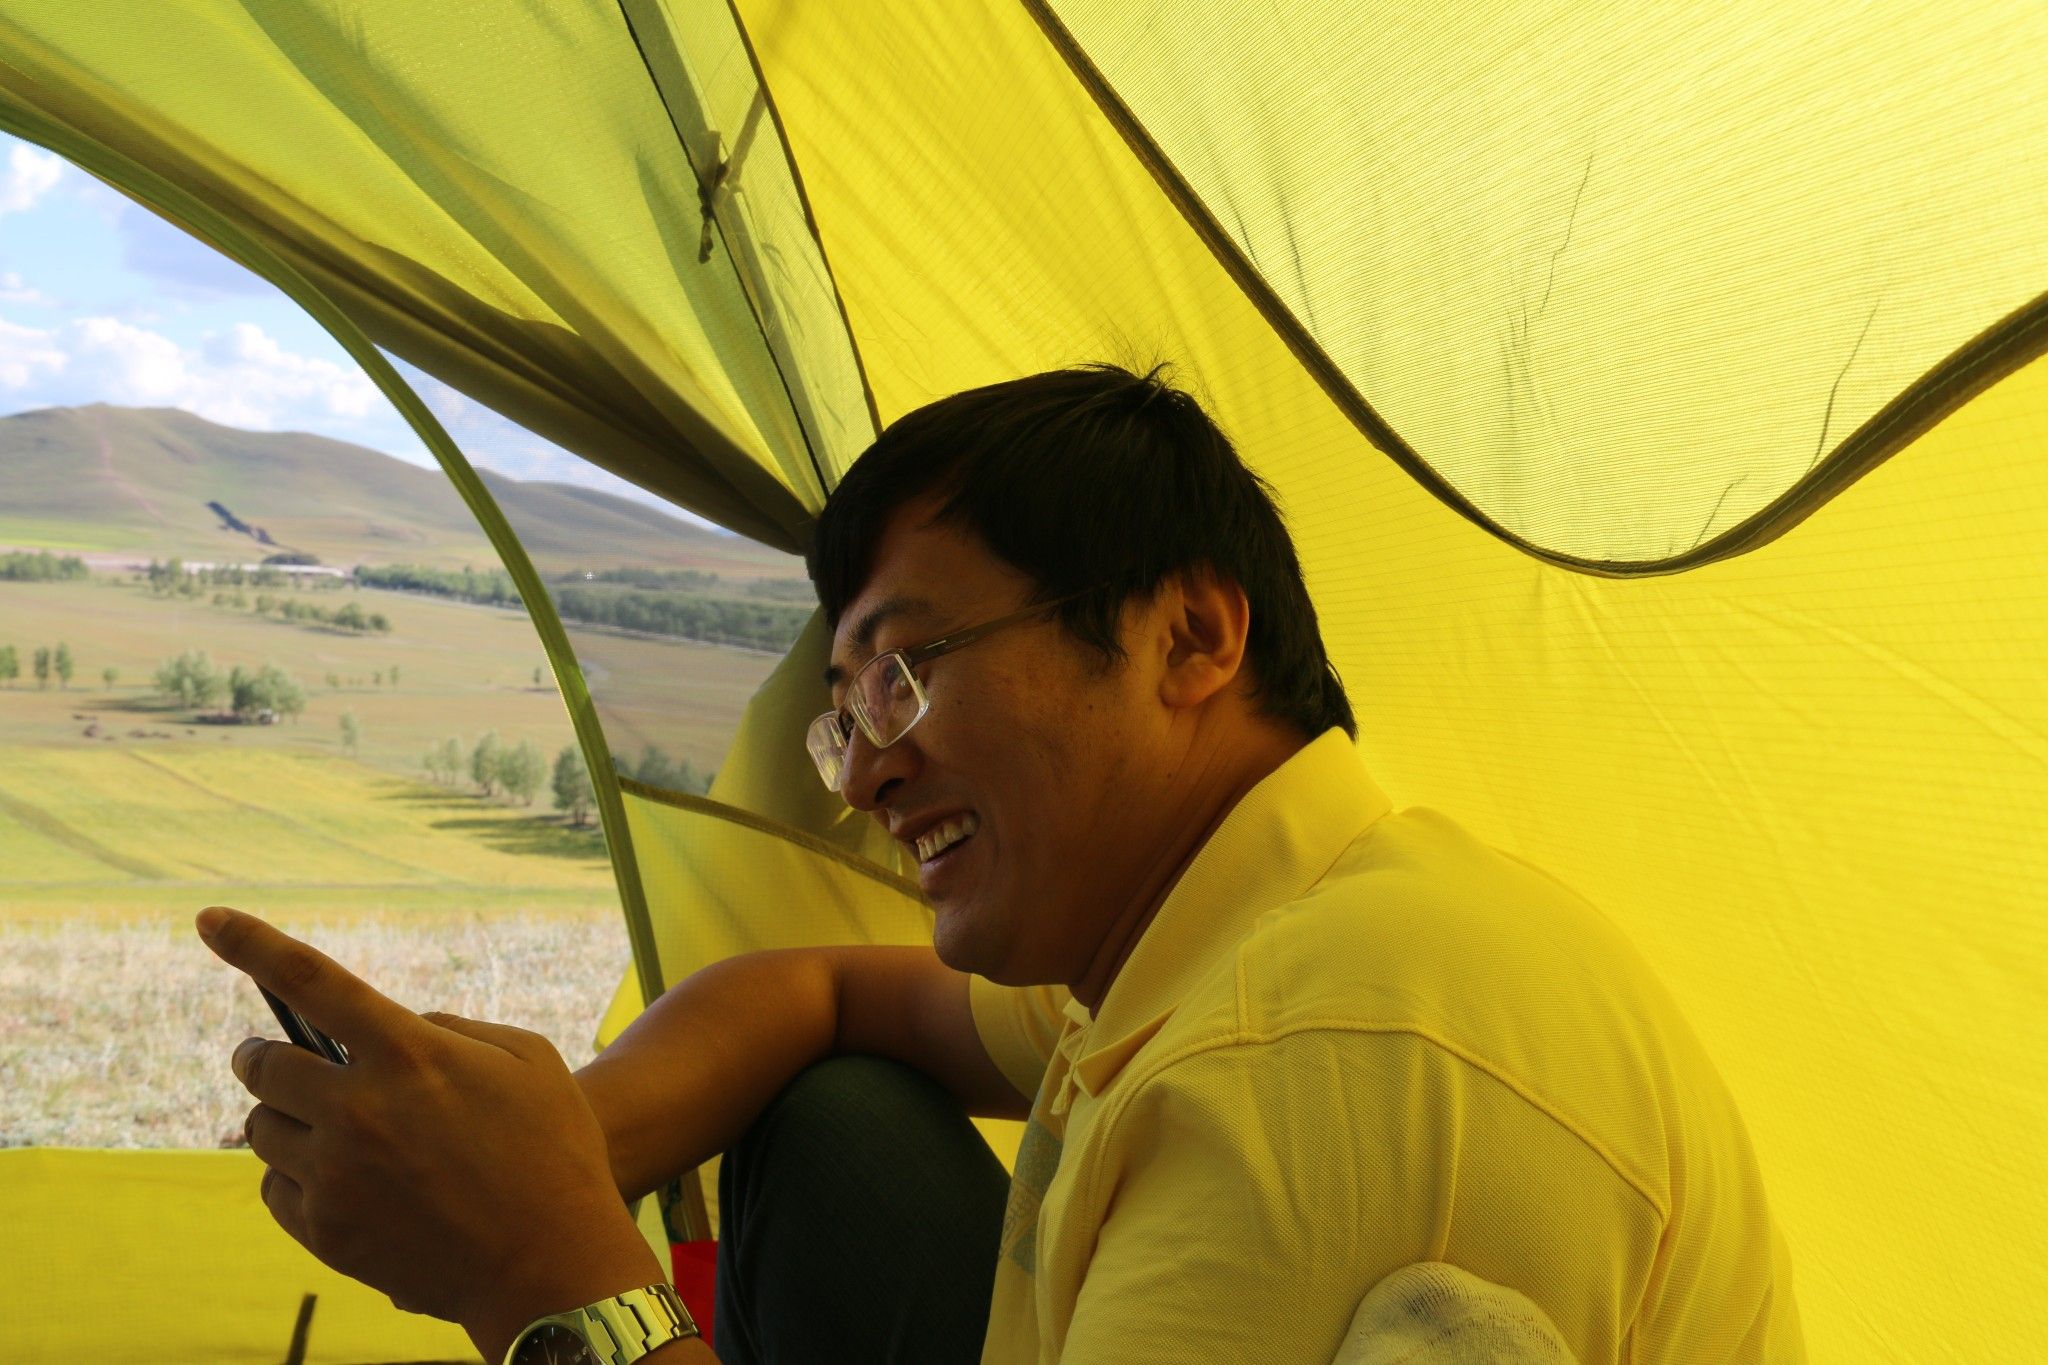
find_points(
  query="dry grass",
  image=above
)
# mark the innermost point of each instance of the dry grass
(118, 1035)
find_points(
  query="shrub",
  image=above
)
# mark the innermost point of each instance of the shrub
(521, 771)
(573, 792)
(483, 763)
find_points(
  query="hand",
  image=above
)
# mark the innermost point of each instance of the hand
(453, 1165)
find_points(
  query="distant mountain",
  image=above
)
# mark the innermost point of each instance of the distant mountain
(158, 482)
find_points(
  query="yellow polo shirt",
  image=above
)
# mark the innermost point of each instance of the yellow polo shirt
(1349, 1041)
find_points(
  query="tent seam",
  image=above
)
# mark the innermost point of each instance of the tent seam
(803, 198)
(709, 189)
(1999, 350)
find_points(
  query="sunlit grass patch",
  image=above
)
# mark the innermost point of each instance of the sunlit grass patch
(117, 1034)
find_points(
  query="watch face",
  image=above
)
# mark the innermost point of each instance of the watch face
(554, 1344)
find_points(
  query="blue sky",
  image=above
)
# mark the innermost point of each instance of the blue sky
(101, 301)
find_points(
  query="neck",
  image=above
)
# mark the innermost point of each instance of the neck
(1208, 782)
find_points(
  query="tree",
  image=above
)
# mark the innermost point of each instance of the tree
(351, 731)
(573, 792)
(270, 689)
(688, 781)
(536, 683)
(110, 676)
(377, 678)
(657, 769)
(63, 664)
(333, 682)
(444, 761)
(392, 673)
(190, 678)
(521, 771)
(42, 665)
(10, 665)
(483, 763)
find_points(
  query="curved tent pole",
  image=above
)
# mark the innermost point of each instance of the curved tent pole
(196, 217)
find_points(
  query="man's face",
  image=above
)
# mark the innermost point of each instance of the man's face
(1047, 757)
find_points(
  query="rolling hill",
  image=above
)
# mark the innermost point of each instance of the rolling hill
(155, 482)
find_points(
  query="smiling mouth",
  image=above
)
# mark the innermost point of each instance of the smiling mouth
(934, 844)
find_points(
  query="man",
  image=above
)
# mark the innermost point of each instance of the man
(1273, 1040)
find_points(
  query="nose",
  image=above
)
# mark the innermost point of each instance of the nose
(872, 774)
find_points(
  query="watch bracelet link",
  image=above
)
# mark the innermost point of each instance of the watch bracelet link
(627, 1326)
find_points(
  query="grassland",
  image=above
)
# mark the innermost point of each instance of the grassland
(120, 817)
(462, 670)
(117, 1035)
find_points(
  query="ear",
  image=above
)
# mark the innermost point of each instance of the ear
(1207, 621)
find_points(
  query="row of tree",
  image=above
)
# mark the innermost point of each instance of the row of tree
(688, 616)
(495, 767)
(348, 616)
(492, 587)
(378, 677)
(654, 601)
(698, 580)
(46, 661)
(516, 771)
(171, 576)
(657, 769)
(40, 566)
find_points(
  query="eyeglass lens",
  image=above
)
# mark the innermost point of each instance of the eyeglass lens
(884, 699)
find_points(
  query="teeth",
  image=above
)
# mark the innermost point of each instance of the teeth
(934, 842)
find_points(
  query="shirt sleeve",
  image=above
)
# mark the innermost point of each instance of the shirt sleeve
(1019, 1026)
(1250, 1195)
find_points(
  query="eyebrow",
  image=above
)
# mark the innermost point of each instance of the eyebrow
(862, 641)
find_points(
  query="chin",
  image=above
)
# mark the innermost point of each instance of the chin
(954, 940)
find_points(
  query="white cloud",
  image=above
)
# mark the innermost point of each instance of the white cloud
(240, 377)
(28, 358)
(14, 289)
(31, 173)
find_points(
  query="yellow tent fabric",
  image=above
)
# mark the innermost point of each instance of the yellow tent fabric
(1650, 397)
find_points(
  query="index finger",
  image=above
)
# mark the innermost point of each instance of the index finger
(333, 999)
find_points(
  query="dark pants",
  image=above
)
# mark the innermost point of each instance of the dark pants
(859, 1220)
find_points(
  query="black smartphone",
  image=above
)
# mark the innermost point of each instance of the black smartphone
(304, 1034)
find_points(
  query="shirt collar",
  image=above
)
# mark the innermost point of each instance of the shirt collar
(1275, 844)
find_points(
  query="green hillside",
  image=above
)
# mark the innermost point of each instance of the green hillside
(139, 481)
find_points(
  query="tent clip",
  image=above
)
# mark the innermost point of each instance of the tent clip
(707, 193)
(723, 167)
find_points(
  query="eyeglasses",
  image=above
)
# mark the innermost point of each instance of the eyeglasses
(885, 699)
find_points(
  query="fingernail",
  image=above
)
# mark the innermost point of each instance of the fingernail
(210, 921)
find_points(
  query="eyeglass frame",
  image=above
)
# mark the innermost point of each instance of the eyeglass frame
(909, 660)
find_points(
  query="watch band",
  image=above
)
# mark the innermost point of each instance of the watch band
(623, 1328)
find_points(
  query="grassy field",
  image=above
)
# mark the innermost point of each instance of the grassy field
(121, 816)
(118, 1035)
(463, 670)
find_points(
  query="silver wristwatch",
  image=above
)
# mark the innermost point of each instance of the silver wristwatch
(611, 1331)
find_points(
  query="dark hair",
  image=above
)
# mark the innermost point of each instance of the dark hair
(1089, 476)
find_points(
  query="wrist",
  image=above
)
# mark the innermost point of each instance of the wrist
(559, 1277)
